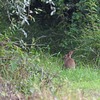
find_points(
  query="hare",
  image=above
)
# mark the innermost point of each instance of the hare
(68, 61)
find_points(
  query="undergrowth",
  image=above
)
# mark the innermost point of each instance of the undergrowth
(42, 73)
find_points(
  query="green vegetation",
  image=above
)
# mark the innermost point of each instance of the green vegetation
(31, 51)
(40, 73)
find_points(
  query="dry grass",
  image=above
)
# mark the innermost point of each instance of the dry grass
(8, 92)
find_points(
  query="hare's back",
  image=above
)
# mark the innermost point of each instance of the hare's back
(70, 63)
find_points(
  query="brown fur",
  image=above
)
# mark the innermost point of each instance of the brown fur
(68, 61)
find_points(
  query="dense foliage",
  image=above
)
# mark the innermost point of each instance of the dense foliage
(58, 25)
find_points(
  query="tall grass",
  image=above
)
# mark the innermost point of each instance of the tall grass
(36, 73)
(42, 74)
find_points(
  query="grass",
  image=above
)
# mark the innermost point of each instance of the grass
(39, 76)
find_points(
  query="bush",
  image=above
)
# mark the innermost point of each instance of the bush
(61, 32)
